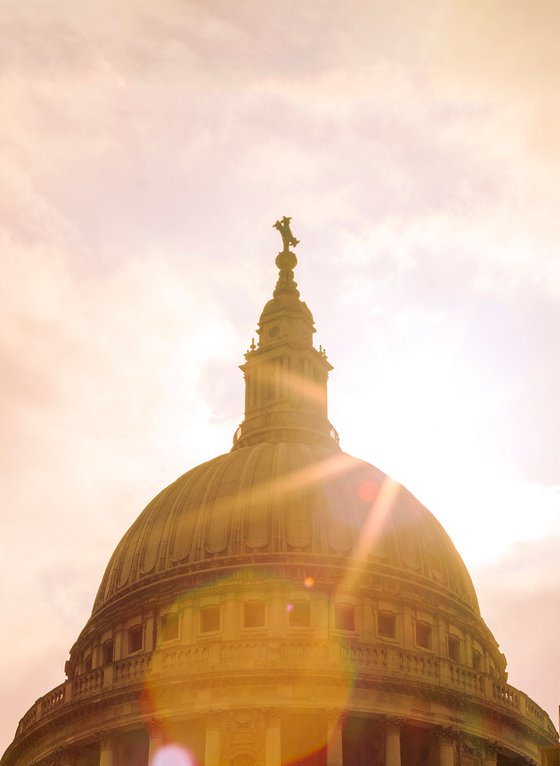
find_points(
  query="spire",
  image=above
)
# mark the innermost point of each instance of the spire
(286, 260)
(285, 376)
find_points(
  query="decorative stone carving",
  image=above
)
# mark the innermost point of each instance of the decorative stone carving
(154, 728)
(446, 734)
(393, 724)
(105, 738)
(335, 718)
(272, 716)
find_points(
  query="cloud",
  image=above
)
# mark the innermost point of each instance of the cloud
(146, 153)
(518, 594)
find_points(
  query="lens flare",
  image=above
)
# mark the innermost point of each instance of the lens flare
(173, 755)
(309, 582)
(367, 491)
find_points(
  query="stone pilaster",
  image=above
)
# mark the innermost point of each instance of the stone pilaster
(335, 724)
(156, 738)
(106, 740)
(393, 728)
(447, 738)
(490, 754)
(213, 739)
(272, 737)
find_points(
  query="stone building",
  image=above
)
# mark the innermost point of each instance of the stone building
(284, 603)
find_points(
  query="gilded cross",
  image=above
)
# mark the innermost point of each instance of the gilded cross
(288, 238)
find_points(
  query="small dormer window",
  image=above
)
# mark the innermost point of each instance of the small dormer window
(386, 625)
(344, 617)
(210, 619)
(135, 639)
(107, 652)
(254, 614)
(453, 648)
(423, 635)
(170, 627)
(299, 614)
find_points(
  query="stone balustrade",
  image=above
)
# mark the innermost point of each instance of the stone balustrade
(88, 683)
(53, 699)
(131, 669)
(390, 662)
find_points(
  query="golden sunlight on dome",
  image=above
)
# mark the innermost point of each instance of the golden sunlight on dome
(284, 603)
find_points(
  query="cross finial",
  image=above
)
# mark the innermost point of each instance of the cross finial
(288, 238)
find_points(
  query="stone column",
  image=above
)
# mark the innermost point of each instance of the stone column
(212, 746)
(491, 754)
(272, 737)
(393, 728)
(446, 747)
(335, 722)
(155, 738)
(106, 748)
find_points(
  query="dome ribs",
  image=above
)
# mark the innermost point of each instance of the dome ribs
(267, 500)
(185, 514)
(252, 511)
(216, 510)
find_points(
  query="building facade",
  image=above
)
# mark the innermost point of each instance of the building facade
(284, 603)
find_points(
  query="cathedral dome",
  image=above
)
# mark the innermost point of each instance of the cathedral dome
(264, 502)
(284, 604)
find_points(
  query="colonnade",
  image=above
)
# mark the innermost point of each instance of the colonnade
(272, 719)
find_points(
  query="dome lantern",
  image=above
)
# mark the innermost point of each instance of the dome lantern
(285, 375)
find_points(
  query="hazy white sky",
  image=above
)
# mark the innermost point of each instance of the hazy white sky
(146, 151)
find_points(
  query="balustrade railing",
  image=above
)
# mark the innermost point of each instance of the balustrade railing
(467, 680)
(187, 657)
(416, 664)
(88, 683)
(249, 653)
(53, 699)
(365, 658)
(131, 669)
(506, 695)
(304, 652)
(388, 661)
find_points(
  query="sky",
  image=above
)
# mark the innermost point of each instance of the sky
(146, 151)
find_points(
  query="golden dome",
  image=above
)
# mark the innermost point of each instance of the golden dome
(260, 504)
(284, 603)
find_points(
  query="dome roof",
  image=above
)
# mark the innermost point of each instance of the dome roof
(262, 502)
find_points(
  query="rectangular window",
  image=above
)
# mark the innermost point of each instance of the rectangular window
(344, 617)
(299, 614)
(135, 639)
(386, 625)
(423, 635)
(170, 627)
(253, 614)
(108, 653)
(477, 660)
(453, 648)
(210, 619)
